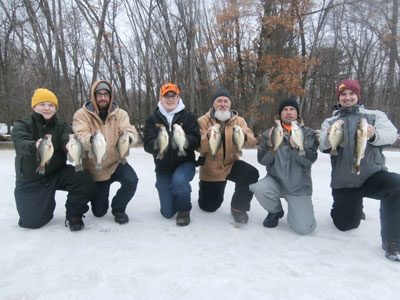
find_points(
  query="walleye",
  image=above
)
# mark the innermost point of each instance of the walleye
(360, 144)
(335, 137)
(276, 137)
(238, 138)
(215, 140)
(98, 149)
(161, 142)
(179, 140)
(44, 153)
(123, 146)
(298, 137)
(75, 152)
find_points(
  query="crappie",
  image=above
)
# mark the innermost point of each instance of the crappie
(238, 138)
(161, 142)
(276, 136)
(75, 152)
(44, 153)
(360, 144)
(123, 146)
(215, 140)
(336, 136)
(98, 149)
(298, 137)
(179, 140)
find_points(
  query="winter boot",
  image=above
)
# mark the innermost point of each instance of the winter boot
(74, 223)
(272, 219)
(120, 216)
(183, 218)
(392, 250)
(239, 216)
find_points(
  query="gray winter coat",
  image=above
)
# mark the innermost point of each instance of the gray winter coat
(373, 161)
(291, 170)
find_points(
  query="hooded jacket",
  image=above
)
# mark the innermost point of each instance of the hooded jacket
(219, 169)
(373, 161)
(85, 123)
(25, 134)
(171, 160)
(291, 170)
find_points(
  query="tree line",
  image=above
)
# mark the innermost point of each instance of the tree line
(262, 51)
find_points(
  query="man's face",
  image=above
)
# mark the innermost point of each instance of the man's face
(169, 101)
(348, 98)
(103, 99)
(222, 103)
(46, 109)
(288, 114)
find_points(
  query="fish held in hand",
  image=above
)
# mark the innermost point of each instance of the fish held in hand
(44, 153)
(238, 138)
(215, 140)
(75, 152)
(336, 136)
(179, 140)
(298, 137)
(360, 144)
(276, 137)
(98, 149)
(123, 146)
(162, 142)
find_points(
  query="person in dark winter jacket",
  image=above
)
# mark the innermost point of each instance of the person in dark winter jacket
(173, 152)
(288, 172)
(35, 191)
(218, 126)
(371, 179)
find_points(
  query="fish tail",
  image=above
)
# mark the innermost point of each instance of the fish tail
(40, 169)
(356, 169)
(182, 153)
(334, 152)
(122, 160)
(240, 153)
(98, 166)
(302, 152)
(78, 168)
(160, 155)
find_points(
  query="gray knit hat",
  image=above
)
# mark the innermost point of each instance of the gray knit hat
(103, 86)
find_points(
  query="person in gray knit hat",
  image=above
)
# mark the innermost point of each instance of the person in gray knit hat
(288, 170)
(219, 158)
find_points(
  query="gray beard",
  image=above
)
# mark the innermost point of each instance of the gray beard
(222, 115)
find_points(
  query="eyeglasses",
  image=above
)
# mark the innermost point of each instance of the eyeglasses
(170, 96)
(99, 94)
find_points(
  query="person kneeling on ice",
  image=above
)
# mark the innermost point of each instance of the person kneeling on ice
(172, 134)
(223, 134)
(358, 165)
(105, 131)
(288, 150)
(41, 144)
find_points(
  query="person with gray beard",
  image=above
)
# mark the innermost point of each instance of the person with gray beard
(219, 158)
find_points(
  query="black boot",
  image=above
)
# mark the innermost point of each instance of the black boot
(240, 216)
(120, 216)
(183, 218)
(74, 223)
(272, 219)
(392, 250)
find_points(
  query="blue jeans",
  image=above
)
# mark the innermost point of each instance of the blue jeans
(125, 175)
(174, 189)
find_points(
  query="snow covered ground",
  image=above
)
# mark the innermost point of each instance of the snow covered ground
(212, 258)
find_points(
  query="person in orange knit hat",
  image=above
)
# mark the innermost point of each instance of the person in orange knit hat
(35, 187)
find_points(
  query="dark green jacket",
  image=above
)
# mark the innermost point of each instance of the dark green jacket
(25, 134)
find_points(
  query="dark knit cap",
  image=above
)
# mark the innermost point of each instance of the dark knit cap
(289, 102)
(348, 84)
(103, 86)
(221, 92)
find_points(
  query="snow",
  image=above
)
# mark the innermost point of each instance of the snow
(212, 258)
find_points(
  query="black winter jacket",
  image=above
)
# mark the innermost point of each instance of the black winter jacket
(25, 134)
(188, 122)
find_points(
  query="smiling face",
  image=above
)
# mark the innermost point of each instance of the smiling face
(222, 103)
(288, 114)
(348, 98)
(103, 99)
(46, 109)
(169, 101)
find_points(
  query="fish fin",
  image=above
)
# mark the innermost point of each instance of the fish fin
(173, 144)
(156, 145)
(69, 158)
(104, 156)
(78, 168)
(90, 154)
(186, 145)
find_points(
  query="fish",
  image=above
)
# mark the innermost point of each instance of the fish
(360, 144)
(298, 137)
(75, 152)
(162, 142)
(179, 140)
(98, 149)
(214, 141)
(336, 136)
(123, 146)
(276, 137)
(44, 153)
(238, 138)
